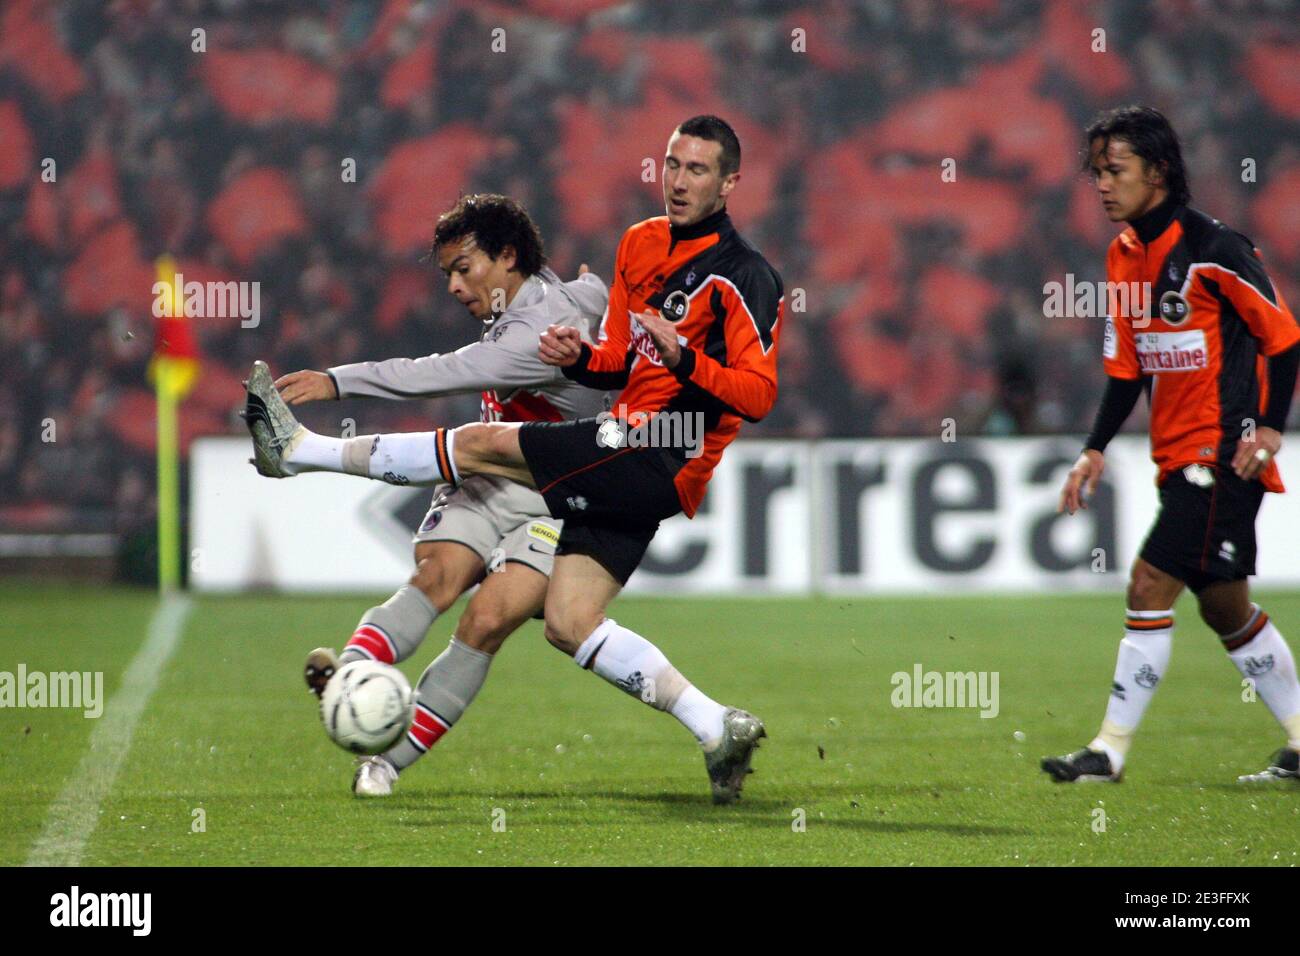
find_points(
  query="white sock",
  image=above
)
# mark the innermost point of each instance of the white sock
(1142, 661)
(630, 662)
(399, 459)
(308, 451)
(1261, 653)
(407, 458)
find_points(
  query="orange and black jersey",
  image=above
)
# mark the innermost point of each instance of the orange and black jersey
(1195, 319)
(726, 302)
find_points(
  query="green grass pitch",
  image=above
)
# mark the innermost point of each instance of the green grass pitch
(580, 774)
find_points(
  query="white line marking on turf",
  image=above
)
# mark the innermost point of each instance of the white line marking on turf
(74, 814)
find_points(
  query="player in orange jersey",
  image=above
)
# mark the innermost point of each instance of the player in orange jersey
(1216, 349)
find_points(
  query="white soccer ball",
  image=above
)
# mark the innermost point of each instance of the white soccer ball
(366, 706)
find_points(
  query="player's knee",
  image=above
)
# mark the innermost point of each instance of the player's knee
(567, 627)
(1146, 589)
(483, 627)
(559, 637)
(432, 580)
(1222, 616)
(563, 634)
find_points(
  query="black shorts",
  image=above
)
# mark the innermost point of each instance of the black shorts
(1205, 534)
(611, 499)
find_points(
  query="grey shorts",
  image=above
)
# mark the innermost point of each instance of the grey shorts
(500, 520)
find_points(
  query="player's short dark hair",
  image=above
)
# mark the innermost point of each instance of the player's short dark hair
(716, 130)
(1149, 135)
(495, 222)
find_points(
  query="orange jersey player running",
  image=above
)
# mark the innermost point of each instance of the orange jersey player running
(1216, 349)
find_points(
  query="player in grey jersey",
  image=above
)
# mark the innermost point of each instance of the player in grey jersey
(488, 529)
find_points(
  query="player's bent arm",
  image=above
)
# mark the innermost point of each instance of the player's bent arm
(506, 360)
(747, 383)
(750, 392)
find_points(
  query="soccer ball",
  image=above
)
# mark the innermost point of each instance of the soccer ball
(366, 706)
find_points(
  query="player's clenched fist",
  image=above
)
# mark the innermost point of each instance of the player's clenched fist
(1083, 476)
(559, 345)
(306, 386)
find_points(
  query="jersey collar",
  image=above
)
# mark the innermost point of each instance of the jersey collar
(717, 222)
(1149, 226)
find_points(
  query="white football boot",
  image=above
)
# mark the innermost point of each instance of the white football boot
(375, 778)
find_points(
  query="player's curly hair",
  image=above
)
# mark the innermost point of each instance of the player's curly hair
(495, 222)
(1149, 135)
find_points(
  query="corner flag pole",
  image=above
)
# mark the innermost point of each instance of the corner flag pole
(169, 502)
(173, 369)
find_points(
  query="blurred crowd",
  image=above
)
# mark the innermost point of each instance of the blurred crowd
(911, 168)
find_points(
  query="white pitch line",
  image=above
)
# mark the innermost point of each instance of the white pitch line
(74, 814)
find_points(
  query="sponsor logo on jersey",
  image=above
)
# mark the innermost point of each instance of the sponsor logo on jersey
(1110, 343)
(1174, 309)
(1171, 351)
(576, 503)
(675, 306)
(1228, 552)
(643, 344)
(544, 532)
(1199, 475)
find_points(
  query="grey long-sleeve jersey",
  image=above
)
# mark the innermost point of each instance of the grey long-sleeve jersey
(516, 385)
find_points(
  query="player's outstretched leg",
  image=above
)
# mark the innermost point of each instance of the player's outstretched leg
(1261, 654)
(1139, 667)
(283, 447)
(506, 600)
(575, 623)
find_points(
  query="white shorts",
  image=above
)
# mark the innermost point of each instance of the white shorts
(498, 519)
